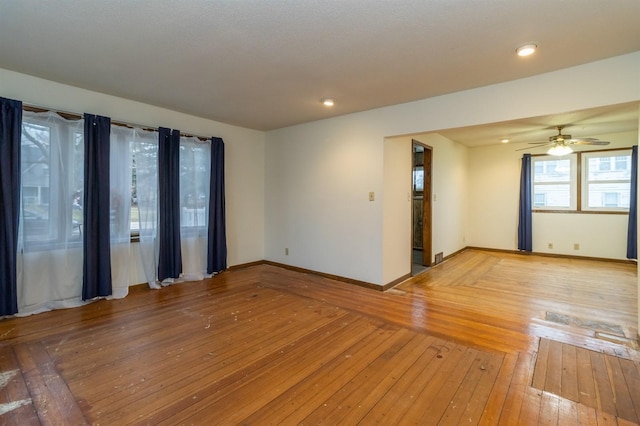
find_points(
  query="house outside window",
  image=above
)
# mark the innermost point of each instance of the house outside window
(606, 178)
(554, 183)
(603, 183)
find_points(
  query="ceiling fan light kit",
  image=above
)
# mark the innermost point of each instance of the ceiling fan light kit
(560, 150)
(560, 144)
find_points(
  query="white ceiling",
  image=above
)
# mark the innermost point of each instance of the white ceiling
(579, 124)
(266, 64)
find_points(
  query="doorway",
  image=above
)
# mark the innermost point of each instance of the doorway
(421, 171)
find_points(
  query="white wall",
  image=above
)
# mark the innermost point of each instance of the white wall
(318, 174)
(397, 208)
(244, 153)
(318, 179)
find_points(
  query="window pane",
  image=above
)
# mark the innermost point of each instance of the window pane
(36, 181)
(144, 182)
(600, 169)
(552, 195)
(552, 170)
(554, 182)
(52, 171)
(612, 195)
(623, 162)
(135, 216)
(194, 190)
(418, 178)
(607, 178)
(77, 166)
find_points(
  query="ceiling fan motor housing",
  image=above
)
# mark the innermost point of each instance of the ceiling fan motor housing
(559, 138)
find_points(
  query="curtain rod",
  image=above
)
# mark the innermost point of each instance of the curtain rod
(75, 116)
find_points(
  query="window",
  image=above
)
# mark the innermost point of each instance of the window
(52, 151)
(539, 199)
(418, 179)
(143, 147)
(554, 183)
(194, 182)
(606, 178)
(603, 184)
(195, 158)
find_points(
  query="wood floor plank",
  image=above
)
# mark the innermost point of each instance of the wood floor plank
(229, 370)
(343, 402)
(549, 409)
(496, 401)
(604, 393)
(586, 383)
(606, 419)
(531, 406)
(168, 346)
(16, 406)
(568, 412)
(480, 398)
(373, 395)
(631, 372)
(397, 400)
(465, 402)
(520, 381)
(51, 397)
(295, 405)
(542, 360)
(569, 379)
(622, 398)
(244, 400)
(553, 375)
(586, 415)
(441, 389)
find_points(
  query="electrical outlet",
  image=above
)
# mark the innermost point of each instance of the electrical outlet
(286, 251)
(576, 246)
(550, 245)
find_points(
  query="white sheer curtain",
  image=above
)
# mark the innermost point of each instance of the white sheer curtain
(120, 204)
(50, 237)
(195, 168)
(144, 151)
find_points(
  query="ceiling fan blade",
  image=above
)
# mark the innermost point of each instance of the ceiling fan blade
(590, 142)
(540, 145)
(581, 139)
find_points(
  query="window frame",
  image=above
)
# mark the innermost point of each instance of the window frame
(64, 135)
(580, 198)
(573, 186)
(612, 165)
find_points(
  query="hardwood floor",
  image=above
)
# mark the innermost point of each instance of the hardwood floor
(483, 338)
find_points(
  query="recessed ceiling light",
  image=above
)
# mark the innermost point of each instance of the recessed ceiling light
(505, 141)
(328, 102)
(526, 50)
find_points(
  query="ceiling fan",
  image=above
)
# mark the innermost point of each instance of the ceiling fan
(561, 144)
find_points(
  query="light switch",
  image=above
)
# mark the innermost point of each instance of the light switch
(372, 196)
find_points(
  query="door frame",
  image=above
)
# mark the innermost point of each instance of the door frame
(427, 207)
